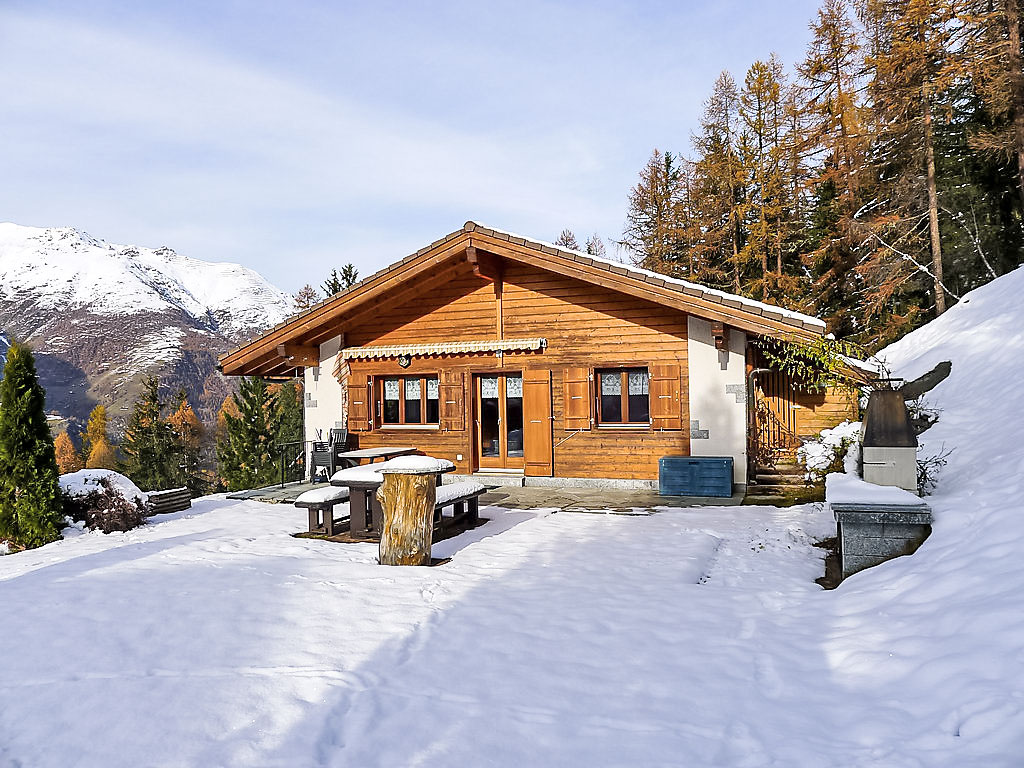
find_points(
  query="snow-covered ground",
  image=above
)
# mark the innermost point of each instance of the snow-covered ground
(214, 638)
(690, 637)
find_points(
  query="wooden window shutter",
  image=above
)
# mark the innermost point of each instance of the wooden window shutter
(360, 403)
(577, 400)
(453, 401)
(666, 408)
(537, 442)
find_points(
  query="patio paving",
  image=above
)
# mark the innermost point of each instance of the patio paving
(534, 497)
(595, 499)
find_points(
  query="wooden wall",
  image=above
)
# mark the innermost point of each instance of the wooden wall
(464, 309)
(584, 326)
(816, 411)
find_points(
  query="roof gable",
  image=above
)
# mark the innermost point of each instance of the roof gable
(289, 344)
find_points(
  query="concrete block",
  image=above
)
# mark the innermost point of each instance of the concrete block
(910, 531)
(871, 534)
(854, 563)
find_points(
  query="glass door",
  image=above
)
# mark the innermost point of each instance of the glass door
(499, 420)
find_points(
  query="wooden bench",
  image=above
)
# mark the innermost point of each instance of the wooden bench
(320, 502)
(464, 499)
(174, 500)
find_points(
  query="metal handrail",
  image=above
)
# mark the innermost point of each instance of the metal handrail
(297, 461)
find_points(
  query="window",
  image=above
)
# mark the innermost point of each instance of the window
(409, 400)
(624, 396)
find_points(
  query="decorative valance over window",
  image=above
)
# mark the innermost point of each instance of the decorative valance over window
(449, 348)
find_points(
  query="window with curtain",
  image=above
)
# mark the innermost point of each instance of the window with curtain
(409, 400)
(623, 396)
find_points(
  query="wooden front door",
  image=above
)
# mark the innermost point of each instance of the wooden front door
(499, 420)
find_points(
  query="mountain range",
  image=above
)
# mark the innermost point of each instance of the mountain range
(100, 317)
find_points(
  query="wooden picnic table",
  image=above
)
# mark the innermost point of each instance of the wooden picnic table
(366, 516)
(372, 454)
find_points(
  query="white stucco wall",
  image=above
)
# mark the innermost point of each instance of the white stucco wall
(718, 396)
(324, 409)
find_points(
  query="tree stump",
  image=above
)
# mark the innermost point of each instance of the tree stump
(408, 503)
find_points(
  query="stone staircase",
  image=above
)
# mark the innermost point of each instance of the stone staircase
(776, 484)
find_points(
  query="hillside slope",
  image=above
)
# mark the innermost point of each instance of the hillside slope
(101, 316)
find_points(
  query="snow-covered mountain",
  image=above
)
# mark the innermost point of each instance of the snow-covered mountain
(99, 316)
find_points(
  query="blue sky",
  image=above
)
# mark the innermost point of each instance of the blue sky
(296, 136)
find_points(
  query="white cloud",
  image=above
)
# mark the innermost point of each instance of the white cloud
(296, 162)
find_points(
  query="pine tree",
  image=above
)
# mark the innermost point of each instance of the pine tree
(993, 55)
(247, 456)
(290, 418)
(306, 298)
(911, 68)
(228, 407)
(30, 507)
(68, 459)
(151, 454)
(763, 116)
(188, 433)
(719, 180)
(349, 275)
(652, 224)
(102, 456)
(333, 284)
(833, 134)
(339, 281)
(567, 239)
(95, 431)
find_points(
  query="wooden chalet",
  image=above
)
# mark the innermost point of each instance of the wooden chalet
(510, 355)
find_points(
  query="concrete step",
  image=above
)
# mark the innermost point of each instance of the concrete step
(779, 477)
(774, 489)
(496, 479)
(752, 499)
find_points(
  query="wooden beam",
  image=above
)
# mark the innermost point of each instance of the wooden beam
(299, 356)
(485, 264)
(719, 333)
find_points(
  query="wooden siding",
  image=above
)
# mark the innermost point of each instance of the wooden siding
(585, 326)
(822, 410)
(463, 309)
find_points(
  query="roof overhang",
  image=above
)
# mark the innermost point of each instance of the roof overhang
(294, 343)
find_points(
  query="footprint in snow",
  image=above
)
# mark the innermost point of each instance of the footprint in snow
(767, 676)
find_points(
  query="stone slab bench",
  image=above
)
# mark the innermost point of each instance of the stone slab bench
(320, 502)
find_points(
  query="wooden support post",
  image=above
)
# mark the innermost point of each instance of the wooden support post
(407, 530)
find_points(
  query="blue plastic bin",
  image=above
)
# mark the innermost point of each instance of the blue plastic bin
(695, 476)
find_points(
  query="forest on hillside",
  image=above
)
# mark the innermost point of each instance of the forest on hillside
(872, 184)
